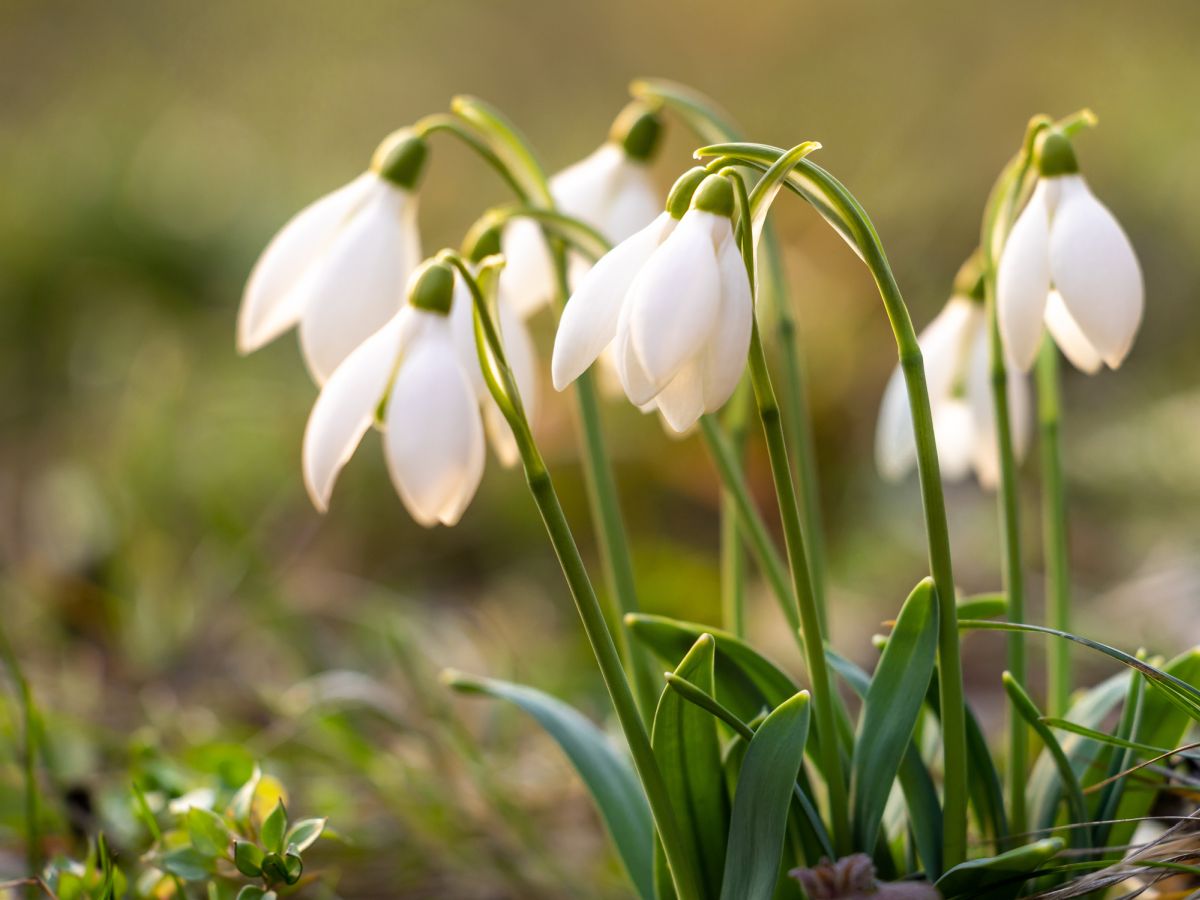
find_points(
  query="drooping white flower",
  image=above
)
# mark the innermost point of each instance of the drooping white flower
(674, 303)
(611, 190)
(957, 373)
(1068, 266)
(338, 268)
(422, 368)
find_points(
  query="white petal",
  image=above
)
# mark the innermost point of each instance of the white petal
(359, 282)
(585, 189)
(589, 321)
(729, 344)
(267, 309)
(462, 325)
(1023, 281)
(346, 405)
(434, 439)
(522, 358)
(986, 456)
(1020, 412)
(1096, 270)
(954, 430)
(945, 343)
(637, 384)
(673, 302)
(528, 280)
(635, 202)
(682, 401)
(1070, 337)
(895, 449)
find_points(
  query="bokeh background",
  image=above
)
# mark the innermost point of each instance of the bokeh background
(174, 598)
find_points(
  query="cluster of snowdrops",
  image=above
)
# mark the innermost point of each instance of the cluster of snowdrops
(733, 781)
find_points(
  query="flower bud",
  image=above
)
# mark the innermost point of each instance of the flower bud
(432, 287)
(681, 193)
(483, 244)
(715, 195)
(1055, 155)
(400, 158)
(638, 131)
(969, 280)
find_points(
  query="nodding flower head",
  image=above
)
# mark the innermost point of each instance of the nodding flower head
(338, 268)
(955, 348)
(418, 378)
(1068, 266)
(611, 189)
(674, 302)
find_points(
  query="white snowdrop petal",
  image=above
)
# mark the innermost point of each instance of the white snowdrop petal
(585, 189)
(1023, 281)
(1020, 412)
(635, 202)
(727, 349)
(1070, 337)
(895, 447)
(359, 283)
(434, 442)
(681, 402)
(527, 282)
(1096, 270)
(673, 302)
(985, 456)
(462, 325)
(346, 405)
(946, 343)
(589, 321)
(636, 383)
(268, 308)
(954, 431)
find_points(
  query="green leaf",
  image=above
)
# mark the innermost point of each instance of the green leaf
(254, 892)
(274, 868)
(760, 804)
(273, 828)
(293, 866)
(304, 833)
(746, 681)
(997, 877)
(1162, 724)
(1076, 805)
(983, 606)
(243, 800)
(248, 858)
(608, 775)
(207, 831)
(1111, 739)
(188, 863)
(508, 143)
(685, 744)
(891, 708)
(920, 793)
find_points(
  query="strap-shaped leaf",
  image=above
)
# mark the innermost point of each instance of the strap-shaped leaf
(760, 804)
(685, 743)
(608, 775)
(997, 877)
(891, 708)
(747, 682)
(920, 793)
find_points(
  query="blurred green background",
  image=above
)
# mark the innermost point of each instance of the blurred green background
(168, 586)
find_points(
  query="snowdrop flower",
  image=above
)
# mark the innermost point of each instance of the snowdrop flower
(338, 267)
(1068, 264)
(958, 374)
(422, 369)
(674, 302)
(611, 190)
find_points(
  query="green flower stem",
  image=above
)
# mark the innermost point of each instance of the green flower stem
(1054, 526)
(30, 728)
(502, 385)
(610, 526)
(999, 214)
(733, 560)
(484, 130)
(725, 456)
(814, 646)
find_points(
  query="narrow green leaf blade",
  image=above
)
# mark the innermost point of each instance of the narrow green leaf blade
(608, 775)
(760, 804)
(997, 877)
(891, 708)
(685, 743)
